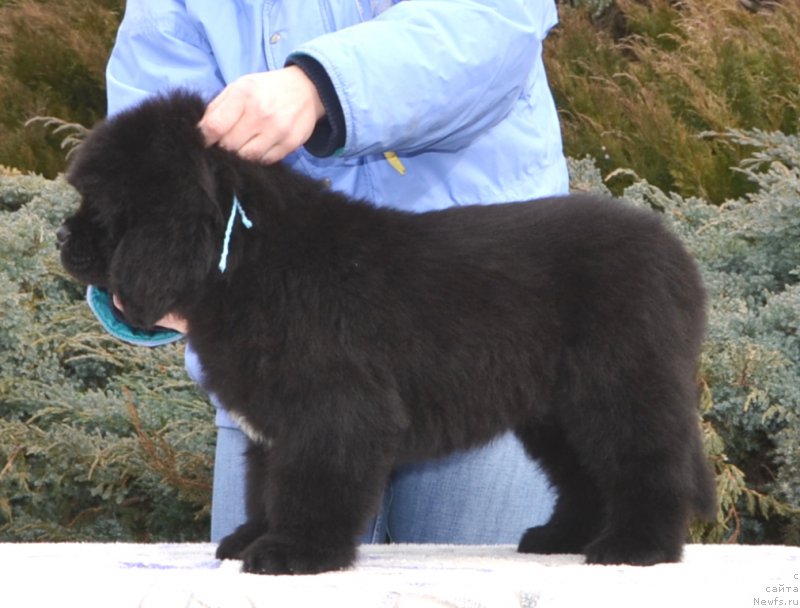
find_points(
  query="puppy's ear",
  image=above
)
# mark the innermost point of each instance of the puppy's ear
(160, 267)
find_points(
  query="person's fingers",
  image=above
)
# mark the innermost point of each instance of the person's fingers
(174, 322)
(276, 153)
(221, 115)
(257, 147)
(235, 120)
(241, 137)
(250, 140)
(264, 116)
(170, 320)
(271, 145)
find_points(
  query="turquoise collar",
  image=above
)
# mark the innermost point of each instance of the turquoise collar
(103, 308)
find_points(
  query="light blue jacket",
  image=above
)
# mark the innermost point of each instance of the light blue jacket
(455, 88)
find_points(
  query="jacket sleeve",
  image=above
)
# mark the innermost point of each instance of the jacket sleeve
(158, 49)
(433, 74)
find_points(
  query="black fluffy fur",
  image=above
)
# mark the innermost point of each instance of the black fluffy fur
(352, 338)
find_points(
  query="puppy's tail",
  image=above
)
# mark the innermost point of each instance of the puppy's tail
(705, 490)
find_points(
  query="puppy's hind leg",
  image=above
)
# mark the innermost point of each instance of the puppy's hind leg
(642, 468)
(578, 515)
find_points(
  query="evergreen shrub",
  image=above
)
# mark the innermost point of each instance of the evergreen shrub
(639, 82)
(98, 440)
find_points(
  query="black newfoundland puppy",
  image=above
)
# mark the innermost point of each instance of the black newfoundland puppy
(349, 339)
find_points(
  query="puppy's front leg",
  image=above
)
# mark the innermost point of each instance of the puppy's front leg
(320, 500)
(325, 476)
(257, 500)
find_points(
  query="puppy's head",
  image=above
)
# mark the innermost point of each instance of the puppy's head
(148, 226)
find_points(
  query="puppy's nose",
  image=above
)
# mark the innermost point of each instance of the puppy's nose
(62, 234)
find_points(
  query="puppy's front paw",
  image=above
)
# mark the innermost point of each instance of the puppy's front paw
(232, 546)
(549, 540)
(268, 555)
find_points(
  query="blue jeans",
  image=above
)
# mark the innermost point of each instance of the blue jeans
(489, 495)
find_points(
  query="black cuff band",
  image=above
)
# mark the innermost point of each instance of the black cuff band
(329, 133)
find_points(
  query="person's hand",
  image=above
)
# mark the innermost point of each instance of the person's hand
(171, 321)
(264, 116)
